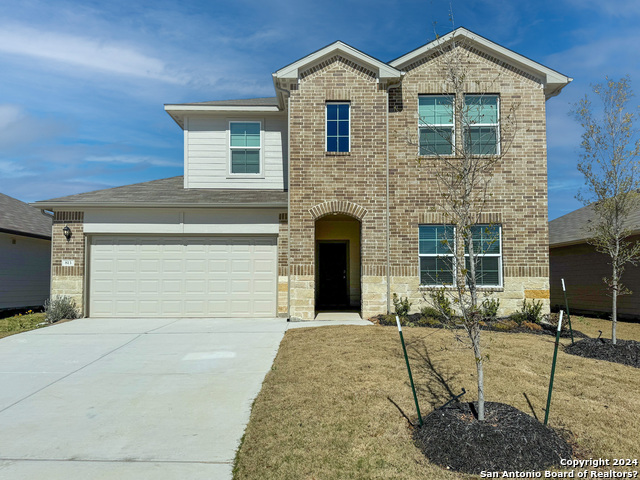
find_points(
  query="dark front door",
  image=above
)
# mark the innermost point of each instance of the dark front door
(333, 281)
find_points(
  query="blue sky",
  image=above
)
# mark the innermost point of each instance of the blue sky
(83, 83)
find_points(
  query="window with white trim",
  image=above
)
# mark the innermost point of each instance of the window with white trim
(244, 147)
(487, 249)
(338, 116)
(481, 124)
(435, 124)
(436, 247)
(437, 260)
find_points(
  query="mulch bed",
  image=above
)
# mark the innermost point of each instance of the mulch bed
(626, 352)
(508, 439)
(497, 325)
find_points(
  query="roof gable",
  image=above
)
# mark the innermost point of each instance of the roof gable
(553, 81)
(382, 70)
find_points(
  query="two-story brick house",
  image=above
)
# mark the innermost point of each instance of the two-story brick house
(314, 199)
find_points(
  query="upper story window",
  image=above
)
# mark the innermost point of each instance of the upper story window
(435, 124)
(338, 127)
(481, 124)
(244, 145)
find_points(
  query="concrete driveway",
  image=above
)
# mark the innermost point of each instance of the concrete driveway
(131, 398)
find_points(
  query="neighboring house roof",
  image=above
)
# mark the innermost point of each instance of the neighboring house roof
(20, 218)
(573, 228)
(168, 192)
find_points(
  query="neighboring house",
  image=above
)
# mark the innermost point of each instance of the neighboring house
(313, 199)
(25, 254)
(583, 268)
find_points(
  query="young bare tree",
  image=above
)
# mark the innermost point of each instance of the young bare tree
(467, 134)
(609, 163)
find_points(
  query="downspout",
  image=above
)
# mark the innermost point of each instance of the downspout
(53, 217)
(286, 92)
(388, 239)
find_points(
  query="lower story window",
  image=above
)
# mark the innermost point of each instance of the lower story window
(437, 260)
(436, 248)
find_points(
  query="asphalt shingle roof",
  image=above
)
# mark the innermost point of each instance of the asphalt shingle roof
(574, 227)
(169, 192)
(21, 218)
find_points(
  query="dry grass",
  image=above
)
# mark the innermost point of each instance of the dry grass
(326, 410)
(20, 323)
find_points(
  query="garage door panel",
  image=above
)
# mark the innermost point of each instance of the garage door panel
(196, 287)
(148, 307)
(183, 276)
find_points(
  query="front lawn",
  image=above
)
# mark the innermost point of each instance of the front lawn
(21, 323)
(332, 406)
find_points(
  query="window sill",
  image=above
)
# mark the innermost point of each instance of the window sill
(495, 289)
(337, 154)
(245, 176)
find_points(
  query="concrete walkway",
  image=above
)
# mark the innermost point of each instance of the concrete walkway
(132, 398)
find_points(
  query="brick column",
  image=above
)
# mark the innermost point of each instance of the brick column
(68, 280)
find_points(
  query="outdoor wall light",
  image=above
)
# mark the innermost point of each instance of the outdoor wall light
(67, 232)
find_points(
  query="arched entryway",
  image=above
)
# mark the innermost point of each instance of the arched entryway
(337, 262)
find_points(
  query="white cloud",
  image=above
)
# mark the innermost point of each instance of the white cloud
(85, 52)
(133, 160)
(612, 8)
(18, 127)
(602, 55)
(12, 169)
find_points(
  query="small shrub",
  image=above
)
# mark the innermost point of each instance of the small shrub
(506, 325)
(430, 312)
(530, 312)
(532, 326)
(430, 321)
(401, 305)
(442, 303)
(490, 308)
(60, 308)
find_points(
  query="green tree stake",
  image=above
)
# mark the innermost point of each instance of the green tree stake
(566, 304)
(553, 368)
(406, 358)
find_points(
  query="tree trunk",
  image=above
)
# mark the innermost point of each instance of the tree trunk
(475, 339)
(614, 313)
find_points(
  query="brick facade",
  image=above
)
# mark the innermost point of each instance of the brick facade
(323, 183)
(319, 180)
(68, 280)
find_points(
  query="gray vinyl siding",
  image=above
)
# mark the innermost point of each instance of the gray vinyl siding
(583, 269)
(25, 271)
(207, 153)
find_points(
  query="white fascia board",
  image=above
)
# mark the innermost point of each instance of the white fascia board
(554, 81)
(185, 109)
(179, 112)
(382, 69)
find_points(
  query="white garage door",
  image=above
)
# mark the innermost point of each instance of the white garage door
(182, 276)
